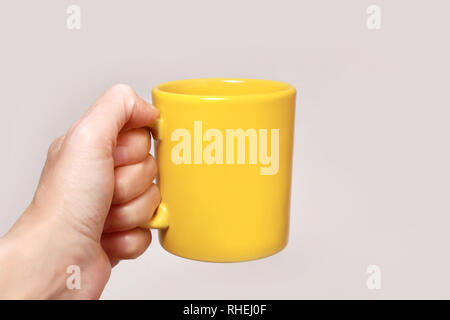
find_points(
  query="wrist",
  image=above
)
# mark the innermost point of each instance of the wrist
(32, 263)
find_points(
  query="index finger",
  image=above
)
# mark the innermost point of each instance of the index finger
(116, 109)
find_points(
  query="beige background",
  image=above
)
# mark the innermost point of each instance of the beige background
(371, 167)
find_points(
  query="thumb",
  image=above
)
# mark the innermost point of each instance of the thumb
(117, 109)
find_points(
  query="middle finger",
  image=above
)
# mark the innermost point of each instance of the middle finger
(131, 181)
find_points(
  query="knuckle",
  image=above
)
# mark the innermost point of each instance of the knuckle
(157, 194)
(54, 145)
(85, 135)
(152, 166)
(119, 188)
(145, 137)
(82, 134)
(151, 202)
(122, 90)
(154, 199)
(123, 218)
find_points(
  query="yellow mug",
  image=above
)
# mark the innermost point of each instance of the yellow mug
(224, 154)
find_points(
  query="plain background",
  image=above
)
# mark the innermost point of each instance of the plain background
(371, 166)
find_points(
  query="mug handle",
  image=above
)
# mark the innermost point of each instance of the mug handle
(160, 218)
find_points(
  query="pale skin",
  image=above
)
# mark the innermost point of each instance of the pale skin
(95, 190)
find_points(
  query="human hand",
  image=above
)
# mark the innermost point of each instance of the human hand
(95, 190)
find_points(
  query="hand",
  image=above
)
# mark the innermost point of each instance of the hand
(95, 190)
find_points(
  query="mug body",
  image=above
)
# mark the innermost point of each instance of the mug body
(224, 154)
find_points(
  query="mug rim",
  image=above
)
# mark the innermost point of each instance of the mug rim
(275, 88)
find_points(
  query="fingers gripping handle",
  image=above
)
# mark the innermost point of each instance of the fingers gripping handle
(156, 129)
(160, 219)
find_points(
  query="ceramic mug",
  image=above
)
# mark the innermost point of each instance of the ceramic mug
(224, 154)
